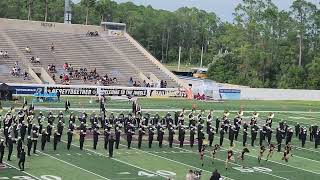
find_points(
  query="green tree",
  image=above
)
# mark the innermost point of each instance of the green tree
(88, 4)
(303, 12)
(313, 69)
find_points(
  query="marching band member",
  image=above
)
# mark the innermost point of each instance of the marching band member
(269, 119)
(96, 134)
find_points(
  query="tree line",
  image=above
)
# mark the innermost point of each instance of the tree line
(262, 47)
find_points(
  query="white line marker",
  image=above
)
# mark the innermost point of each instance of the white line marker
(240, 165)
(118, 160)
(174, 161)
(22, 171)
(279, 162)
(78, 154)
(74, 165)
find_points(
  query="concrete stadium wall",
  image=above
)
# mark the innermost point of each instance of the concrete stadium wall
(211, 88)
(279, 94)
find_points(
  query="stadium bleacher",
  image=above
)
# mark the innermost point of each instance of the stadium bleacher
(112, 55)
(6, 64)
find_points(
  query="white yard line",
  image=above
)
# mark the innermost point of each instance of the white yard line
(118, 160)
(22, 171)
(173, 160)
(308, 149)
(238, 165)
(279, 162)
(283, 164)
(73, 165)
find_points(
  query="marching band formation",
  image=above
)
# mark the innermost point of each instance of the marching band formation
(27, 127)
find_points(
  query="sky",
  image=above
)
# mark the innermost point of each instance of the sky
(223, 8)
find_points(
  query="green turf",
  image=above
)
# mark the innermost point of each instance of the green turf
(151, 163)
(178, 103)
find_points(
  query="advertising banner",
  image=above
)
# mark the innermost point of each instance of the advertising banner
(89, 91)
(230, 94)
(78, 90)
(108, 91)
(27, 90)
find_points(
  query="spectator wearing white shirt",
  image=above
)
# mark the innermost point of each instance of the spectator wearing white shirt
(37, 60)
(1, 53)
(28, 49)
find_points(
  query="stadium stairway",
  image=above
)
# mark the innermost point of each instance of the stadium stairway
(6, 64)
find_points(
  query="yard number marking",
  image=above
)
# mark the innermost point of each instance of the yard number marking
(253, 169)
(159, 172)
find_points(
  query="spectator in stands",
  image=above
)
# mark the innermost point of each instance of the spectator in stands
(70, 68)
(144, 83)
(158, 84)
(37, 60)
(26, 76)
(28, 49)
(152, 84)
(130, 82)
(52, 47)
(65, 66)
(165, 84)
(5, 54)
(32, 59)
(92, 34)
(15, 70)
(115, 80)
(51, 68)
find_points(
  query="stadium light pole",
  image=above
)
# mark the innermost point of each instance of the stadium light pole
(67, 12)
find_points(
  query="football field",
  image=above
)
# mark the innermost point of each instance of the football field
(173, 163)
